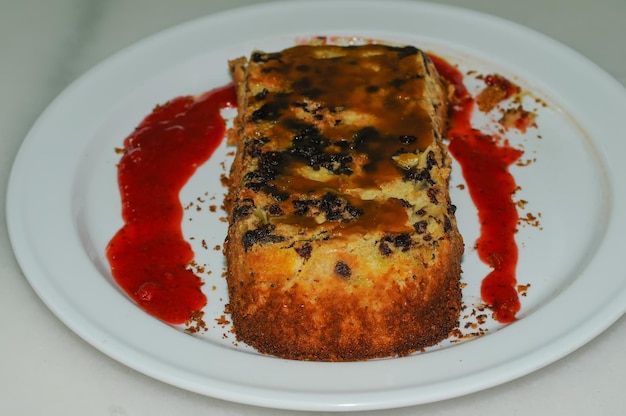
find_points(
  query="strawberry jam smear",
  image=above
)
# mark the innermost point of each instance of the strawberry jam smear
(485, 161)
(149, 256)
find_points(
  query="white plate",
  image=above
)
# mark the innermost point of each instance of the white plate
(63, 207)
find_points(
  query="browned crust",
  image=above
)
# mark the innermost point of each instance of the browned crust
(331, 324)
(383, 282)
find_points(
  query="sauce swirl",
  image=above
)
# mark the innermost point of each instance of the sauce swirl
(485, 162)
(149, 255)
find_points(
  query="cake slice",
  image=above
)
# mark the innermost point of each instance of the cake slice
(342, 242)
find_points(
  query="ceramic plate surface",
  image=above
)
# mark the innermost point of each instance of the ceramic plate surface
(63, 207)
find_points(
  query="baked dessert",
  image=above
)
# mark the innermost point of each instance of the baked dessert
(342, 242)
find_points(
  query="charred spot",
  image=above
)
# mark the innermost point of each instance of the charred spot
(333, 208)
(302, 207)
(253, 147)
(384, 248)
(403, 241)
(308, 137)
(364, 136)
(265, 57)
(353, 211)
(342, 269)
(258, 57)
(427, 62)
(309, 146)
(296, 125)
(427, 237)
(300, 104)
(420, 175)
(302, 84)
(254, 186)
(451, 209)
(372, 89)
(313, 93)
(339, 164)
(392, 102)
(279, 195)
(261, 235)
(270, 165)
(268, 112)
(432, 195)
(421, 212)
(275, 209)
(303, 68)
(420, 227)
(261, 95)
(398, 83)
(406, 51)
(447, 224)
(244, 209)
(407, 139)
(254, 180)
(342, 144)
(430, 160)
(405, 203)
(272, 190)
(369, 167)
(304, 251)
(254, 151)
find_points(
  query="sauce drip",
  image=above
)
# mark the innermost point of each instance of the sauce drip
(149, 255)
(485, 160)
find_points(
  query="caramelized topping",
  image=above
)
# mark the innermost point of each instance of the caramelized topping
(325, 126)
